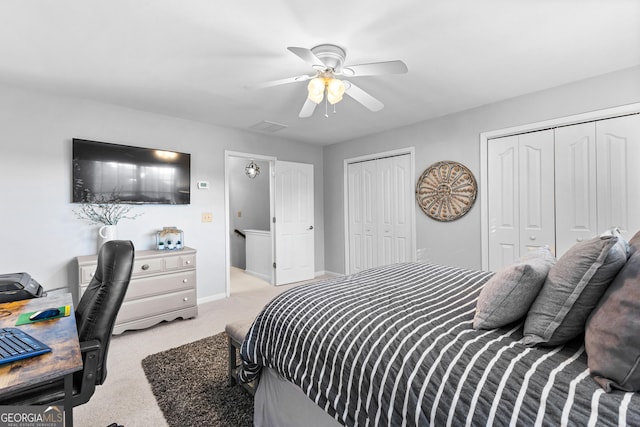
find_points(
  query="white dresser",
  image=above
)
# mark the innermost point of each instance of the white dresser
(162, 287)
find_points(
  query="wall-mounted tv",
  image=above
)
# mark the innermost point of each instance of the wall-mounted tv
(137, 175)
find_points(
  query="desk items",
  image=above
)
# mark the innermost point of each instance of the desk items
(169, 238)
(44, 314)
(16, 344)
(19, 286)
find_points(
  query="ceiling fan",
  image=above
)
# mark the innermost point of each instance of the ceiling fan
(327, 60)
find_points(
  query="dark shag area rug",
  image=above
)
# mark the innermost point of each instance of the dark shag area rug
(191, 387)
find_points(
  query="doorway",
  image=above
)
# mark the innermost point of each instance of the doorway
(249, 209)
(291, 193)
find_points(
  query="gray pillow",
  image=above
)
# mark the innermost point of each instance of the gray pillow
(572, 289)
(611, 338)
(507, 296)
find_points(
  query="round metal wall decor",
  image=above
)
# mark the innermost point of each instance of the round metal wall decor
(446, 191)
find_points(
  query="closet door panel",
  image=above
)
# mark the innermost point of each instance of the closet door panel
(504, 210)
(386, 209)
(370, 215)
(575, 169)
(356, 217)
(402, 203)
(362, 217)
(537, 180)
(618, 164)
(394, 226)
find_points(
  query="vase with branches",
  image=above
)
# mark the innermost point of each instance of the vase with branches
(104, 210)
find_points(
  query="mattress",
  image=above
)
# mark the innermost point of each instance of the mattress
(395, 346)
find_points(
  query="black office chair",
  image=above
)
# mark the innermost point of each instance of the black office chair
(95, 316)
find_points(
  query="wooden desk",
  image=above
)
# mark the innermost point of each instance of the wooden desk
(60, 334)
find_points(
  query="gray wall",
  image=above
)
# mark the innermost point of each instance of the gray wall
(456, 137)
(250, 197)
(40, 233)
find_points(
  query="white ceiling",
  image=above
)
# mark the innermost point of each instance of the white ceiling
(195, 58)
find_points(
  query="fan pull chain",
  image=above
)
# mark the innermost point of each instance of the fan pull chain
(326, 107)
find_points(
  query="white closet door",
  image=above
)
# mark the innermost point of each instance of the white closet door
(380, 199)
(504, 208)
(576, 216)
(356, 217)
(363, 245)
(618, 158)
(394, 195)
(536, 184)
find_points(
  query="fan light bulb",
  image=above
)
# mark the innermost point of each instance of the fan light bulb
(335, 90)
(316, 89)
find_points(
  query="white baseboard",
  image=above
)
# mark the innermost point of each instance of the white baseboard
(210, 298)
(259, 275)
(328, 273)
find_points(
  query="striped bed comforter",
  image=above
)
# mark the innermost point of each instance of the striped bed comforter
(395, 346)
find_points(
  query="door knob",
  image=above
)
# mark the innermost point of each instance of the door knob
(310, 227)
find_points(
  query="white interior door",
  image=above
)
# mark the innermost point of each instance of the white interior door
(294, 222)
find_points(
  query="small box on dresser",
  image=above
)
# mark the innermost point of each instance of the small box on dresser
(162, 287)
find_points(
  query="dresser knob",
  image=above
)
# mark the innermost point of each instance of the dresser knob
(185, 280)
(185, 299)
(188, 262)
(145, 266)
(532, 237)
(579, 239)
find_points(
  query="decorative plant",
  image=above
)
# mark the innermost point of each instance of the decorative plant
(104, 210)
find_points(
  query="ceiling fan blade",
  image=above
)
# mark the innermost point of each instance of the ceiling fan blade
(363, 97)
(279, 82)
(307, 109)
(307, 56)
(376, 68)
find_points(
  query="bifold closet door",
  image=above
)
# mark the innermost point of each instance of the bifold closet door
(618, 174)
(521, 196)
(380, 199)
(394, 217)
(362, 216)
(598, 179)
(576, 195)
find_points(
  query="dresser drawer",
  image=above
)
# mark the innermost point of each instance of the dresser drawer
(149, 286)
(147, 266)
(86, 273)
(180, 262)
(141, 308)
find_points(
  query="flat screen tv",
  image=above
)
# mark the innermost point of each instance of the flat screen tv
(135, 175)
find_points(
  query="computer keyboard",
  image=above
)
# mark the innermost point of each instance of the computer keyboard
(15, 344)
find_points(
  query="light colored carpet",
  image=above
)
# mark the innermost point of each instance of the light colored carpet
(126, 396)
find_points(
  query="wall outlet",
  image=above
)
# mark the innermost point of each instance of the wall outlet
(207, 217)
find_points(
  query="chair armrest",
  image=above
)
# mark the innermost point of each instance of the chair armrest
(89, 346)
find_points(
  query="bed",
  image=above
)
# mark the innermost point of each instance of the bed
(395, 346)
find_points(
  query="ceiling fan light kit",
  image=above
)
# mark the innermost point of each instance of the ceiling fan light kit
(327, 61)
(317, 86)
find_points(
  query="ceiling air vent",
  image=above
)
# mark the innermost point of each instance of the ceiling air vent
(267, 126)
